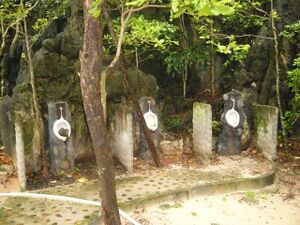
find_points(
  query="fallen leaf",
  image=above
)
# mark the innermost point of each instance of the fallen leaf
(82, 180)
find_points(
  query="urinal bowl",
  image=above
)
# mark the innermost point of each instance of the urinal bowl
(61, 123)
(232, 118)
(151, 121)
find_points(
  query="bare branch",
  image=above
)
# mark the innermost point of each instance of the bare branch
(256, 8)
(132, 10)
(124, 20)
(244, 35)
(16, 37)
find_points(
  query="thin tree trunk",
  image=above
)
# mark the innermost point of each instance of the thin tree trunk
(136, 105)
(278, 75)
(212, 61)
(91, 67)
(186, 62)
(184, 80)
(20, 155)
(38, 126)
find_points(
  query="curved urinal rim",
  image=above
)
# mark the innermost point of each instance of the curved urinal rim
(148, 116)
(61, 123)
(232, 112)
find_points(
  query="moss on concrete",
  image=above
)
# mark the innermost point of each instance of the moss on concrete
(125, 180)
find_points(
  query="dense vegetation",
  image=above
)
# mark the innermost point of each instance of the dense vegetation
(180, 37)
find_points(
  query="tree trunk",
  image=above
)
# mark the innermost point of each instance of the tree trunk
(136, 105)
(278, 96)
(91, 67)
(212, 60)
(38, 125)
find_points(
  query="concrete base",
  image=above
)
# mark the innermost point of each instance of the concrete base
(141, 189)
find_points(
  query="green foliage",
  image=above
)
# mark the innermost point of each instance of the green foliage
(216, 127)
(138, 3)
(143, 34)
(173, 122)
(200, 8)
(293, 115)
(176, 60)
(40, 24)
(150, 32)
(52, 9)
(169, 206)
(291, 31)
(95, 8)
(237, 52)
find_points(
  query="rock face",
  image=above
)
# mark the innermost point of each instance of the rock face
(56, 66)
(259, 66)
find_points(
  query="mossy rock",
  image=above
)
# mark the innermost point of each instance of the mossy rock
(142, 84)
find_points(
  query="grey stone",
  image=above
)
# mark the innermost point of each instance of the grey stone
(122, 136)
(51, 45)
(142, 84)
(202, 131)
(171, 147)
(62, 154)
(71, 44)
(266, 118)
(229, 142)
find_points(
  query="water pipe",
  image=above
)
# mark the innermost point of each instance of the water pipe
(68, 199)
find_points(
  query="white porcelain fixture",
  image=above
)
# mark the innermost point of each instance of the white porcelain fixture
(232, 117)
(59, 125)
(151, 119)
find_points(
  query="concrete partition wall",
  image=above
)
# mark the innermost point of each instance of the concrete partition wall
(122, 136)
(266, 121)
(202, 132)
(62, 154)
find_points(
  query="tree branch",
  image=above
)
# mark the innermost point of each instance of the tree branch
(124, 20)
(256, 8)
(132, 10)
(244, 35)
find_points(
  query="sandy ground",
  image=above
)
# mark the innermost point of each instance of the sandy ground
(276, 205)
(10, 186)
(248, 208)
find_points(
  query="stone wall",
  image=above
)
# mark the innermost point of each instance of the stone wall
(122, 136)
(202, 131)
(266, 118)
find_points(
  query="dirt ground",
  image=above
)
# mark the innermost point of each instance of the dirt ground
(275, 205)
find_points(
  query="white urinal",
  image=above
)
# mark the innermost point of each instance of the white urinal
(59, 125)
(151, 119)
(232, 117)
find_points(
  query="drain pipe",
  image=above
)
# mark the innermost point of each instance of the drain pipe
(67, 199)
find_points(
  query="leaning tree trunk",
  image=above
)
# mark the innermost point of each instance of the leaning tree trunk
(91, 67)
(136, 105)
(278, 95)
(38, 125)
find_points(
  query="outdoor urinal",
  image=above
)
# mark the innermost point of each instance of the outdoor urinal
(151, 119)
(62, 128)
(232, 117)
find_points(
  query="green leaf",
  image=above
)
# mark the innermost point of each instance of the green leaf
(205, 11)
(222, 10)
(135, 3)
(174, 5)
(95, 12)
